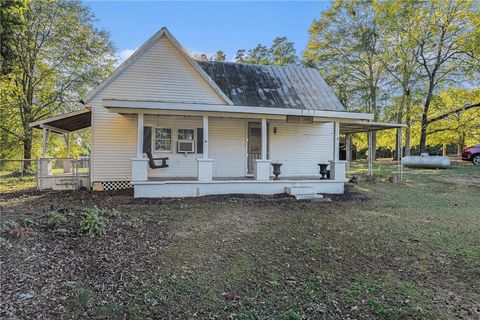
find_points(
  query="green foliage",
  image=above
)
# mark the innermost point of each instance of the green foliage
(107, 213)
(81, 297)
(92, 224)
(7, 225)
(135, 223)
(56, 220)
(28, 222)
(3, 242)
(291, 315)
(57, 55)
(282, 52)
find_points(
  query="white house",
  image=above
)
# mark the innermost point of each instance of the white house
(220, 124)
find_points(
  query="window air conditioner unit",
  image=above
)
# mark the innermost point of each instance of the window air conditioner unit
(186, 146)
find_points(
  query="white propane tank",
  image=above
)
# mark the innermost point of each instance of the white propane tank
(426, 161)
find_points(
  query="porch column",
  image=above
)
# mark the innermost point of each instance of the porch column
(348, 150)
(337, 166)
(67, 142)
(336, 141)
(205, 165)
(140, 135)
(262, 171)
(139, 165)
(370, 153)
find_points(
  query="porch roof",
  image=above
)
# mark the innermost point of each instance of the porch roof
(356, 127)
(67, 122)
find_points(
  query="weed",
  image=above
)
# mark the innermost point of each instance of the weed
(107, 213)
(92, 224)
(113, 310)
(81, 297)
(4, 242)
(29, 222)
(290, 315)
(135, 223)
(7, 225)
(56, 220)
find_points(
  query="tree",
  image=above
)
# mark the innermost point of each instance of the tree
(281, 53)
(59, 56)
(398, 21)
(346, 41)
(219, 56)
(11, 22)
(445, 55)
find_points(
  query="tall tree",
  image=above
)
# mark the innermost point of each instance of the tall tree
(346, 39)
(445, 54)
(282, 52)
(219, 56)
(398, 21)
(59, 56)
(11, 22)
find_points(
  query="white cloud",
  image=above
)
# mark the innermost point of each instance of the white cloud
(124, 54)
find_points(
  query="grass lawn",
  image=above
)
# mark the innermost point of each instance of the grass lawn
(382, 250)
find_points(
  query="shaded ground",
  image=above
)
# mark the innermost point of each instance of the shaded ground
(409, 250)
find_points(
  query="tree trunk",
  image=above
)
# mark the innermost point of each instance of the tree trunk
(374, 145)
(27, 149)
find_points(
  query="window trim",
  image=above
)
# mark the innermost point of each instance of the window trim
(194, 140)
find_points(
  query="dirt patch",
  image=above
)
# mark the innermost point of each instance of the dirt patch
(460, 179)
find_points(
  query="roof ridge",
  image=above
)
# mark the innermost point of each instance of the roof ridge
(258, 65)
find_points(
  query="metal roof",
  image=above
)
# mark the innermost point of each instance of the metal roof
(272, 86)
(71, 121)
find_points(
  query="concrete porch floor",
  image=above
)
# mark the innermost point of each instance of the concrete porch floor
(244, 178)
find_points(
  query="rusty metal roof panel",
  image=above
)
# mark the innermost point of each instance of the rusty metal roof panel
(272, 86)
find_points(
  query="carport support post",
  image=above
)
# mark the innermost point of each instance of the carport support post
(336, 141)
(67, 142)
(370, 153)
(400, 154)
(348, 149)
(44, 142)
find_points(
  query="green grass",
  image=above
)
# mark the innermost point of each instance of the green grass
(17, 184)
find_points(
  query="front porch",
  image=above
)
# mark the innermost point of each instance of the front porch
(190, 187)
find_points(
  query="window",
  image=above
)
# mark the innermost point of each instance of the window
(186, 140)
(186, 134)
(163, 139)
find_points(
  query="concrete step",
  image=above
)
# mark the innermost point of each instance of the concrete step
(293, 191)
(308, 196)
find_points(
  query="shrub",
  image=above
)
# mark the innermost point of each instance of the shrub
(29, 222)
(108, 213)
(56, 219)
(92, 224)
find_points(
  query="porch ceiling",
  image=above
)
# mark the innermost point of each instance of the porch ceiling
(68, 122)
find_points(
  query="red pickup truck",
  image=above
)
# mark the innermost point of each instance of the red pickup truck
(472, 154)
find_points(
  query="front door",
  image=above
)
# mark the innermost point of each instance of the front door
(254, 145)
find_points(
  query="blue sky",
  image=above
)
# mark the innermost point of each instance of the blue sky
(205, 27)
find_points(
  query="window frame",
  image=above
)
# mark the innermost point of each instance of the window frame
(194, 140)
(154, 137)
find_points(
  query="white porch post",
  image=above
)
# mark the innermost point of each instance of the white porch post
(140, 135)
(262, 171)
(348, 150)
(205, 165)
(337, 166)
(370, 153)
(44, 142)
(139, 165)
(67, 142)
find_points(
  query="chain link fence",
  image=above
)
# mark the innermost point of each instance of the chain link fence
(53, 173)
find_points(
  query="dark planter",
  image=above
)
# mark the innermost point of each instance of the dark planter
(276, 170)
(323, 170)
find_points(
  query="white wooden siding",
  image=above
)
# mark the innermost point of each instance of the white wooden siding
(160, 74)
(300, 147)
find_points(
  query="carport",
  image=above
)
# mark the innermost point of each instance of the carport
(350, 128)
